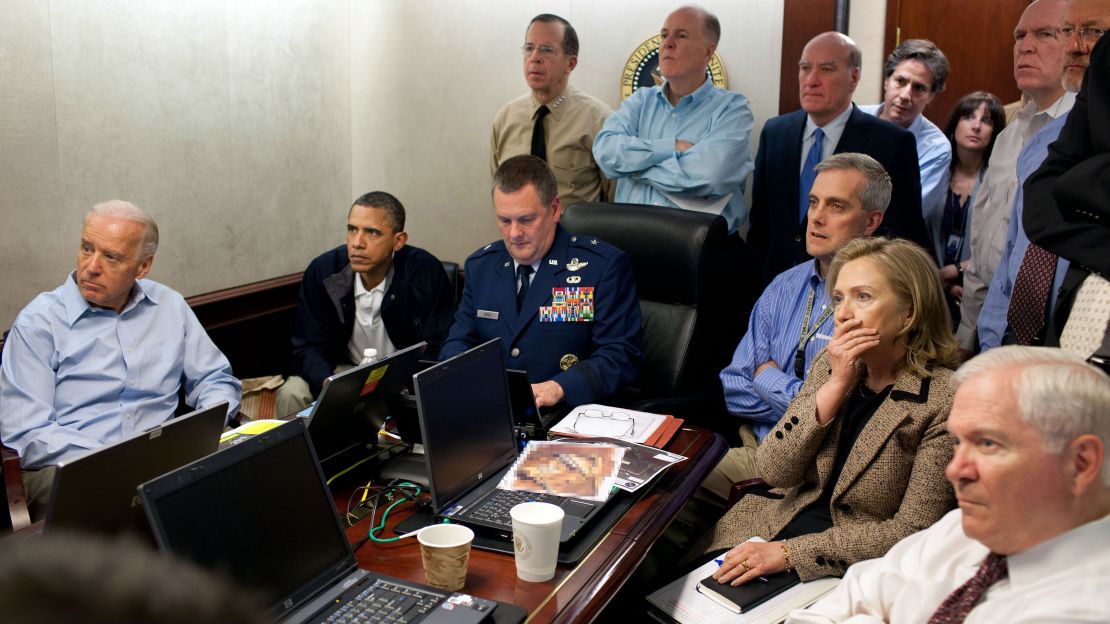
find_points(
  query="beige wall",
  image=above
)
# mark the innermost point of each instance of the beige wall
(228, 120)
(247, 126)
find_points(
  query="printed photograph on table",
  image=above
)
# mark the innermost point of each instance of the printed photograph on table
(586, 471)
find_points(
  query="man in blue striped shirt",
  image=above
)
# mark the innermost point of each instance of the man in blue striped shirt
(792, 321)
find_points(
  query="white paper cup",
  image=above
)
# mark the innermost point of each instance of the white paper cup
(536, 528)
(445, 551)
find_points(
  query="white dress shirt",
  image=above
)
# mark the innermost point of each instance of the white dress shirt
(369, 330)
(1064, 579)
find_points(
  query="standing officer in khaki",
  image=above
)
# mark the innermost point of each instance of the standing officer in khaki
(553, 121)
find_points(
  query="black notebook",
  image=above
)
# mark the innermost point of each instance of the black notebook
(749, 595)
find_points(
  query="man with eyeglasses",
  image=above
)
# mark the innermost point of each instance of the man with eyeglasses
(1027, 285)
(685, 143)
(553, 121)
(1069, 198)
(1038, 69)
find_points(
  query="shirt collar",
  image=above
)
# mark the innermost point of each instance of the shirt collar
(555, 104)
(76, 305)
(1054, 110)
(813, 278)
(833, 129)
(694, 98)
(1062, 552)
(360, 288)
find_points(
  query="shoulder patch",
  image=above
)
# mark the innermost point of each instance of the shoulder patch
(494, 247)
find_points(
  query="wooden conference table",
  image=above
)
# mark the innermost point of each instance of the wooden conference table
(578, 592)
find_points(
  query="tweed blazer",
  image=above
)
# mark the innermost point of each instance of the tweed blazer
(892, 483)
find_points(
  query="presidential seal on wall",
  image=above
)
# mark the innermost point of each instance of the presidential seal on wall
(642, 69)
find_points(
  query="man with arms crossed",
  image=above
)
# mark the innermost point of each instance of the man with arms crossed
(554, 121)
(564, 305)
(102, 357)
(685, 143)
(1030, 541)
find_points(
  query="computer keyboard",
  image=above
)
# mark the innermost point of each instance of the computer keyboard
(495, 508)
(386, 602)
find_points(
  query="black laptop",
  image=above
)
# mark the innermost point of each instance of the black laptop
(261, 513)
(470, 443)
(343, 420)
(96, 492)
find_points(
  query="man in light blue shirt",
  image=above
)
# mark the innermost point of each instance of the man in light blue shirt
(792, 320)
(685, 143)
(915, 72)
(102, 356)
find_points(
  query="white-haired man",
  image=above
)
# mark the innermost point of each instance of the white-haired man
(1030, 541)
(103, 356)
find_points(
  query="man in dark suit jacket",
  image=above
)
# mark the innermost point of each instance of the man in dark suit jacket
(828, 73)
(563, 305)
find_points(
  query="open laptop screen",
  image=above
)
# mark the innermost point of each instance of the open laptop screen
(95, 493)
(258, 512)
(465, 421)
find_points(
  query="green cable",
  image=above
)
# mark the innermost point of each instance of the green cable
(384, 540)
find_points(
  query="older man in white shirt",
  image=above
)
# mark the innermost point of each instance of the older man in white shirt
(1030, 541)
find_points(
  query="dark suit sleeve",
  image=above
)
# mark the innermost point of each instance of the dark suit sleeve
(1083, 241)
(315, 329)
(617, 339)
(759, 229)
(463, 333)
(903, 216)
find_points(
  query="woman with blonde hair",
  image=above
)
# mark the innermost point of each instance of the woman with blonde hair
(857, 463)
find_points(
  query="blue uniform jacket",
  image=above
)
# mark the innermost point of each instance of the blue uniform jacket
(608, 348)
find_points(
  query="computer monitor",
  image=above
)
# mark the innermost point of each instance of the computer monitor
(465, 421)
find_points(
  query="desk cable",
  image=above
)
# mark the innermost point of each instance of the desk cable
(395, 492)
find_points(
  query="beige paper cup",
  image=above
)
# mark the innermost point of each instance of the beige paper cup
(536, 528)
(445, 550)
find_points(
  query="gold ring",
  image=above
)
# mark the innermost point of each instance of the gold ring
(747, 568)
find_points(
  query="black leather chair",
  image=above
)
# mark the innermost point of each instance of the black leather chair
(452, 271)
(695, 290)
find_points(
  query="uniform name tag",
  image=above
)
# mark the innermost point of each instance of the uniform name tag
(488, 314)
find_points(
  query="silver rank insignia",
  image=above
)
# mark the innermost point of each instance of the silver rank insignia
(574, 279)
(567, 361)
(574, 264)
(508, 262)
(593, 242)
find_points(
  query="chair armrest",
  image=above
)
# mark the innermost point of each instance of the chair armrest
(16, 496)
(740, 488)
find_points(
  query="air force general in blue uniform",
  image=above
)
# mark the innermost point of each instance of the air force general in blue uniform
(579, 321)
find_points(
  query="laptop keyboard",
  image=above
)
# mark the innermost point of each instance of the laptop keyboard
(386, 602)
(495, 508)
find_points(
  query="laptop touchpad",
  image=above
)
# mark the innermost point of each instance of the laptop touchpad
(577, 509)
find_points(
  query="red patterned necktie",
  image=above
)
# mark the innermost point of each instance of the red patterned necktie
(1030, 294)
(960, 602)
